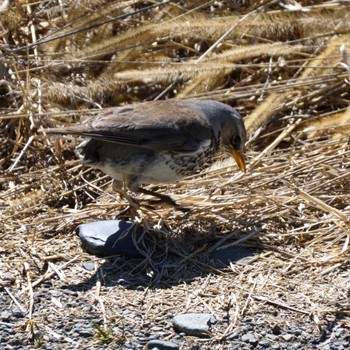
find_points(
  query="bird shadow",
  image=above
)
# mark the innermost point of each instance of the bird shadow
(167, 260)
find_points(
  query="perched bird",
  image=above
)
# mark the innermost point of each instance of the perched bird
(159, 141)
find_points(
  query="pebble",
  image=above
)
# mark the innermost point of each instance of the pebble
(264, 343)
(339, 332)
(86, 333)
(297, 332)
(89, 266)
(17, 312)
(5, 315)
(9, 330)
(271, 336)
(7, 277)
(162, 345)
(233, 335)
(276, 330)
(194, 324)
(250, 338)
(287, 337)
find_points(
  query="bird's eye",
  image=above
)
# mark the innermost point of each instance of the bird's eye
(236, 142)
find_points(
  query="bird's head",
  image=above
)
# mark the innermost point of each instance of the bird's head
(235, 146)
(233, 135)
(227, 125)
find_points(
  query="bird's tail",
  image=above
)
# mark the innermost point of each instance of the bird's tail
(59, 131)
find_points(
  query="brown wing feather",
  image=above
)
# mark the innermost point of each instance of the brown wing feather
(153, 125)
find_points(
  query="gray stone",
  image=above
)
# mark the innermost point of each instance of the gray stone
(287, 337)
(89, 266)
(250, 338)
(276, 329)
(194, 324)
(162, 345)
(5, 315)
(233, 335)
(16, 312)
(339, 332)
(264, 343)
(111, 237)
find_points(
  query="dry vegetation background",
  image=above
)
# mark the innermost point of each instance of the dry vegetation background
(283, 64)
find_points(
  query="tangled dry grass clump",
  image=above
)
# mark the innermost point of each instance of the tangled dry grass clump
(285, 66)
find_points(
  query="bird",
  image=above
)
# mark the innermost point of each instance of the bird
(157, 142)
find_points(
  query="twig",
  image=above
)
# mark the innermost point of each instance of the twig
(218, 244)
(21, 154)
(280, 304)
(321, 204)
(49, 274)
(23, 311)
(274, 144)
(100, 300)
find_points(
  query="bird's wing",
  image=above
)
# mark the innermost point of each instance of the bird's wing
(157, 126)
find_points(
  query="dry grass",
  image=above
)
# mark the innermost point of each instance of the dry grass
(287, 72)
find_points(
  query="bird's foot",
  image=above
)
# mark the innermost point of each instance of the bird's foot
(162, 198)
(135, 206)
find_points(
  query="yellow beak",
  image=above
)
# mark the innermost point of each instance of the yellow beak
(239, 159)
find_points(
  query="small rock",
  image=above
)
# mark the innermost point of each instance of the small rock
(337, 346)
(136, 345)
(162, 345)
(89, 266)
(297, 332)
(111, 237)
(276, 330)
(5, 315)
(287, 337)
(194, 324)
(271, 336)
(233, 335)
(250, 338)
(7, 277)
(86, 333)
(8, 330)
(339, 332)
(264, 343)
(17, 312)
(291, 287)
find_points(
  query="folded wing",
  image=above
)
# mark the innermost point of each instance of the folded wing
(150, 125)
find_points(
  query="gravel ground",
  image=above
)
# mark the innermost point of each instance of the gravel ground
(71, 308)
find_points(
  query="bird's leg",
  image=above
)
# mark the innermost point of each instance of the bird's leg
(118, 187)
(163, 198)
